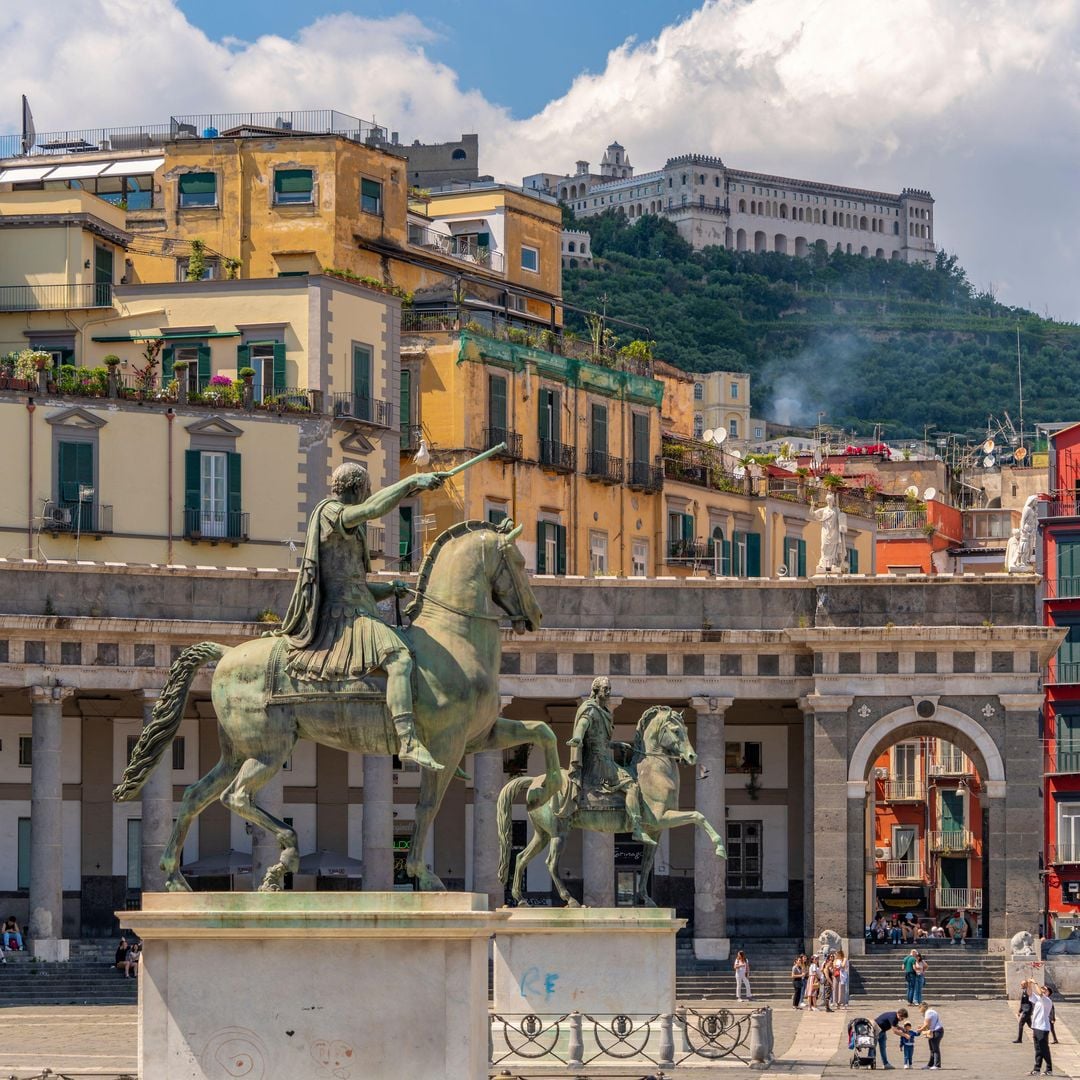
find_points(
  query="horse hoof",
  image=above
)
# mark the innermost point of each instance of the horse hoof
(269, 886)
(177, 883)
(572, 903)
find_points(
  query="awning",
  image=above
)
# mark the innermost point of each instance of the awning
(83, 171)
(24, 174)
(169, 336)
(135, 167)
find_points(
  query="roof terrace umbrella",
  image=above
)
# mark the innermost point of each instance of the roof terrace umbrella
(330, 864)
(226, 862)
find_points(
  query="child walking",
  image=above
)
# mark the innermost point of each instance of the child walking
(907, 1044)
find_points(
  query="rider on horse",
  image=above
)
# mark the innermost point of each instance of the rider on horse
(332, 627)
(593, 769)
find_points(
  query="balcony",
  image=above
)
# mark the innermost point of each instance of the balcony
(1063, 672)
(904, 791)
(900, 520)
(557, 456)
(463, 248)
(1063, 505)
(68, 296)
(493, 436)
(411, 434)
(78, 518)
(681, 552)
(944, 841)
(430, 320)
(958, 899)
(605, 468)
(367, 410)
(376, 539)
(951, 762)
(215, 525)
(641, 476)
(1066, 761)
(1066, 854)
(1063, 588)
(904, 870)
(699, 466)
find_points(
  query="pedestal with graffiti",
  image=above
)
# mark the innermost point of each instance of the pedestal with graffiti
(602, 976)
(286, 986)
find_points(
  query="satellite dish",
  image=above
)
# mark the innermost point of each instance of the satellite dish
(988, 446)
(707, 435)
(911, 491)
(1020, 453)
(781, 570)
(719, 435)
(929, 494)
(989, 461)
(739, 471)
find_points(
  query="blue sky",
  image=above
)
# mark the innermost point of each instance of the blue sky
(484, 42)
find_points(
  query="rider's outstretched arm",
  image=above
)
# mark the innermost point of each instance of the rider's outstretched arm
(382, 502)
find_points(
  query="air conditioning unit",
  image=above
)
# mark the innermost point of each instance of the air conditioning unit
(881, 773)
(883, 854)
(56, 517)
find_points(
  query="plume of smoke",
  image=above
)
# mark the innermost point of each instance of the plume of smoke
(823, 378)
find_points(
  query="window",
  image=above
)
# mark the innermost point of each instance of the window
(134, 853)
(293, 186)
(905, 849)
(699, 391)
(75, 482)
(598, 562)
(496, 512)
(267, 359)
(458, 155)
(598, 437)
(197, 358)
(362, 407)
(405, 407)
(132, 742)
(1067, 732)
(22, 873)
(744, 856)
(550, 430)
(699, 425)
(197, 189)
(733, 428)
(211, 270)
(405, 537)
(497, 412)
(742, 757)
(795, 556)
(530, 259)
(550, 548)
(680, 535)
(212, 495)
(852, 560)
(1068, 832)
(371, 196)
(639, 558)
(734, 391)
(178, 754)
(26, 755)
(719, 551)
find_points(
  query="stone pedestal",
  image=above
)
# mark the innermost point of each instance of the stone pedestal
(303, 985)
(711, 941)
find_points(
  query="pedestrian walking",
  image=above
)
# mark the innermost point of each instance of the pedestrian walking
(886, 1022)
(908, 968)
(742, 977)
(920, 976)
(841, 975)
(1040, 1027)
(826, 982)
(813, 984)
(934, 1031)
(1023, 1013)
(798, 981)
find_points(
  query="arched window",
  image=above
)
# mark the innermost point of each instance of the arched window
(862, 224)
(458, 154)
(896, 228)
(685, 178)
(571, 246)
(584, 248)
(699, 391)
(742, 206)
(783, 210)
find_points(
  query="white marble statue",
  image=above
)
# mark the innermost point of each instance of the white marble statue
(1023, 561)
(1012, 551)
(833, 529)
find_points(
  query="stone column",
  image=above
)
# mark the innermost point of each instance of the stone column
(598, 858)
(46, 920)
(378, 823)
(265, 849)
(710, 873)
(1016, 826)
(488, 780)
(157, 809)
(833, 842)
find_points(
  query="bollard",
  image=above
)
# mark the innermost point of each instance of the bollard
(575, 1049)
(667, 1042)
(761, 1036)
(684, 1038)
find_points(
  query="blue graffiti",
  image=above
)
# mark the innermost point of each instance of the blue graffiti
(531, 980)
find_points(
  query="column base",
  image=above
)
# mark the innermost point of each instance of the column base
(52, 950)
(715, 948)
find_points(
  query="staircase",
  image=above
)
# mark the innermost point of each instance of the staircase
(770, 970)
(954, 972)
(89, 978)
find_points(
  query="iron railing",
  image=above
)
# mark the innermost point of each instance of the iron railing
(367, 409)
(411, 434)
(644, 477)
(69, 295)
(898, 520)
(215, 524)
(1065, 672)
(903, 870)
(1066, 760)
(557, 456)
(606, 468)
(464, 248)
(1066, 587)
(949, 761)
(77, 517)
(904, 791)
(686, 551)
(958, 899)
(944, 840)
(494, 435)
(376, 539)
(430, 320)
(194, 126)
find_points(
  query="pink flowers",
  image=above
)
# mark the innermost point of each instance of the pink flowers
(221, 380)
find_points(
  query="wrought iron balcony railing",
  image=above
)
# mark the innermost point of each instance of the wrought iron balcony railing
(606, 468)
(369, 410)
(904, 791)
(644, 477)
(87, 518)
(493, 436)
(899, 520)
(215, 525)
(685, 551)
(946, 840)
(464, 248)
(958, 899)
(904, 870)
(410, 437)
(557, 456)
(59, 297)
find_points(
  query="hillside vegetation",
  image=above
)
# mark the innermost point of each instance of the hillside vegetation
(865, 341)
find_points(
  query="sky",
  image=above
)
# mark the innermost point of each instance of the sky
(975, 100)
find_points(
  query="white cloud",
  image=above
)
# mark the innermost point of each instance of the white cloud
(974, 99)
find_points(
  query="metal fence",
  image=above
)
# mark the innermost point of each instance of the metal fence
(368, 409)
(464, 248)
(215, 524)
(59, 297)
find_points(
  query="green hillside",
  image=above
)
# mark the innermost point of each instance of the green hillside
(865, 341)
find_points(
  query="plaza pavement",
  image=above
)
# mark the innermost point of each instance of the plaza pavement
(100, 1041)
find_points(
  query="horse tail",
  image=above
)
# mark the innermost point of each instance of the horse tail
(506, 798)
(158, 735)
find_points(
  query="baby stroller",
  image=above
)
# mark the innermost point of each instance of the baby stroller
(862, 1044)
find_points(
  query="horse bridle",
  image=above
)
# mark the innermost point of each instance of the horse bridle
(661, 753)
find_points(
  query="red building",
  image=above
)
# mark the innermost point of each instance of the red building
(1060, 531)
(928, 838)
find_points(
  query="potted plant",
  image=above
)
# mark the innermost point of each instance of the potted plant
(247, 377)
(112, 381)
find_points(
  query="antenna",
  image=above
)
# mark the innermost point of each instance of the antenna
(1020, 384)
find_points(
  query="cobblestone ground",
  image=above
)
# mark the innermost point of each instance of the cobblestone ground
(101, 1042)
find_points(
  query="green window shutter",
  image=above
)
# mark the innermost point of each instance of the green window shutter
(483, 240)
(853, 560)
(599, 429)
(167, 357)
(279, 365)
(738, 539)
(192, 479)
(560, 549)
(545, 414)
(371, 196)
(362, 372)
(641, 438)
(243, 358)
(234, 504)
(75, 470)
(802, 557)
(497, 402)
(204, 183)
(541, 547)
(405, 524)
(688, 528)
(406, 399)
(725, 558)
(753, 555)
(204, 366)
(293, 182)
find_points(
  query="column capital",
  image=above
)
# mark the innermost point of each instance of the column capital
(826, 703)
(504, 702)
(50, 695)
(1021, 702)
(711, 706)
